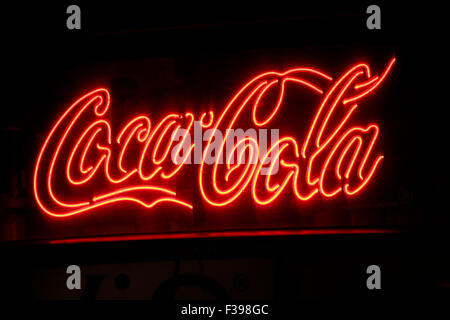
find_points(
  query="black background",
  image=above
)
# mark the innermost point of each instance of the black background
(46, 66)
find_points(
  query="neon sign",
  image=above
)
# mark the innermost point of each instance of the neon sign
(86, 163)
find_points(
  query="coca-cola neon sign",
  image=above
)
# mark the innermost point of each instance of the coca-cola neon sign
(82, 165)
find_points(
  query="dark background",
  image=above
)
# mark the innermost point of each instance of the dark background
(161, 55)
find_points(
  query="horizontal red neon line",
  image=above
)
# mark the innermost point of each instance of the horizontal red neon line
(226, 234)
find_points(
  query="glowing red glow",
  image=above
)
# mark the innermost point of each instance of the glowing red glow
(228, 234)
(136, 166)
